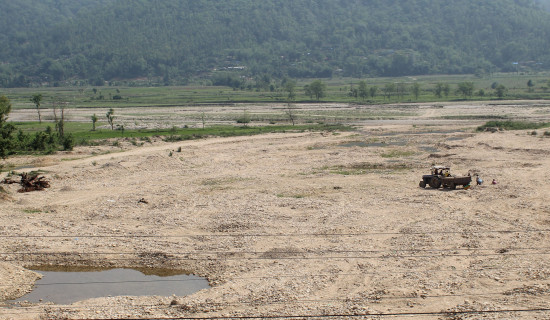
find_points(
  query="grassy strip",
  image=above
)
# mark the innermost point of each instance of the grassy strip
(84, 136)
(397, 154)
(512, 125)
(179, 134)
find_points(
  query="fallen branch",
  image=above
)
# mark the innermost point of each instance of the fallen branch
(9, 181)
(29, 182)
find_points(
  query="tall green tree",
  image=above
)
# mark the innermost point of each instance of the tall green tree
(446, 89)
(6, 129)
(94, 121)
(416, 90)
(530, 85)
(500, 91)
(289, 86)
(316, 89)
(373, 91)
(401, 89)
(363, 90)
(5, 109)
(353, 92)
(389, 89)
(466, 89)
(37, 99)
(111, 118)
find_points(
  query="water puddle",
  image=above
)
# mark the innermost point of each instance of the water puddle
(364, 144)
(65, 286)
(429, 149)
(397, 133)
(458, 138)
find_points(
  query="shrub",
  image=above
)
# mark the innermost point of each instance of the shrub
(243, 120)
(68, 142)
(174, 138)
(512, 125)
(40, 141)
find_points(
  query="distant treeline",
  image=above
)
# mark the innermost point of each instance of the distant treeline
(57, 42)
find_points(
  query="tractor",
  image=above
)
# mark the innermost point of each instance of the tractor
(441, 177)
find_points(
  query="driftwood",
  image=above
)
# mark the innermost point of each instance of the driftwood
(9, 181)
(29, 182)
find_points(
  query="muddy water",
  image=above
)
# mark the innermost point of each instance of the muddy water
(67, 286)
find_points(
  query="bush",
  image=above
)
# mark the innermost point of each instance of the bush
(40, 141)
(68, 142)
(174, 138)
(512, 125)
(244, 120)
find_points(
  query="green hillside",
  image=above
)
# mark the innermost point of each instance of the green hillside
(545, 4)
(174, 41)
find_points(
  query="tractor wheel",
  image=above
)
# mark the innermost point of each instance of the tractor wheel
(452, 186)
(435, 183)
(422, 184)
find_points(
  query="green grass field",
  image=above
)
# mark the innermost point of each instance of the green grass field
(338, 90)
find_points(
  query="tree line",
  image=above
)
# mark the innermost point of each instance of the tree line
(465, 90)
(14, 141)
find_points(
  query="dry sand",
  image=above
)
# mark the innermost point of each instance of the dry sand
(287, 224)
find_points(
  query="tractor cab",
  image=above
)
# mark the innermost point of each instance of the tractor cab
(434, 179)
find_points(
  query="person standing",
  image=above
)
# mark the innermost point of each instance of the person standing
(479, 181)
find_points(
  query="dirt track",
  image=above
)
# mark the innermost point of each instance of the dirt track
(300, 223)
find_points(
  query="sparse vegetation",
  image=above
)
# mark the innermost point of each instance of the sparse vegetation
(367, 167)
(244, 119)
(32, 211)
(512, 125)
(397, 154)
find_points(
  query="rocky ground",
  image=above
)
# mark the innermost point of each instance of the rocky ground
(298, 223)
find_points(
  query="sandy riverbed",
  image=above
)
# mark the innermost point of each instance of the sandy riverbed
(299, 223)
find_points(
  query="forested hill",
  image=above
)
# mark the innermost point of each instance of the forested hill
(175, 40)
(545, 4)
